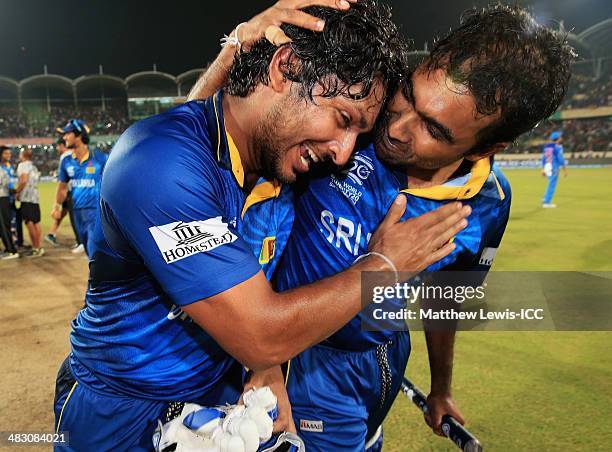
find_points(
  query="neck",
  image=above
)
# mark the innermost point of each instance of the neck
(240, 118)
(423, 178)
(80, 150)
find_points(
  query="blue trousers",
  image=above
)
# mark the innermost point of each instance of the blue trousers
(552, 186)
(84, 223)
(339, 398)
(100, 420)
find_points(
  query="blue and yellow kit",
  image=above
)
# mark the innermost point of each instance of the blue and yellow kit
(84, 177)
(171, 212)
(348, 382)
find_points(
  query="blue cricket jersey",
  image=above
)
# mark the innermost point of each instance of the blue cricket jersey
(171, 211)
(10, 171)
(336, 215)
(266, 225)
(552, 154)
(84, 177)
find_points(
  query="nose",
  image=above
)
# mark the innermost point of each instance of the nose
(342, 149)
(398, 126)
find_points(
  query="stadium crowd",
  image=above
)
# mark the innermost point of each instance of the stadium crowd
(111, 121)
(585, 92)
(579, 135)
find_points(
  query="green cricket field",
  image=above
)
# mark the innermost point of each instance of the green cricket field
(529, 391)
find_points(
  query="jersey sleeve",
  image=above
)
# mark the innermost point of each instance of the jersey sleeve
(560, 156)
(169, 211)
(477, 263)
(62, 173)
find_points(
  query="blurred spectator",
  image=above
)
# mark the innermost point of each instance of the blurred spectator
(579, 135)
(29, 196)
(584, 92)
(113, 121)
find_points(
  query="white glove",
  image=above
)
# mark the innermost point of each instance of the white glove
(233, 428)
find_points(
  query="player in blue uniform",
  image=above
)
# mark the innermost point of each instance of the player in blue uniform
(83, 170)
(176, 299)
(15, 213)
(552, 162)
(331, 230)
(435, 145)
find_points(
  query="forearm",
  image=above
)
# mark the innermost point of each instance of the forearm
(62, 192)
(440, 348)
(309, 314)
(269, 328)
(215, 75)
(20, 186)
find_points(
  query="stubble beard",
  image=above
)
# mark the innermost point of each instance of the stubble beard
(269, 143)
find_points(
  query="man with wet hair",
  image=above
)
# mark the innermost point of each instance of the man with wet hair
(177, 302)
(488, 81)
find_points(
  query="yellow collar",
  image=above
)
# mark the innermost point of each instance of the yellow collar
(261, 192)
(478, 176)
(235, 160)
(84, 159)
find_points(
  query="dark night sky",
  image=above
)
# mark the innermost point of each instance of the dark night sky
(74, 36)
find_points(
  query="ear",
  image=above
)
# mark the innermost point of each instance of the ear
(488, 151)
(281, 59)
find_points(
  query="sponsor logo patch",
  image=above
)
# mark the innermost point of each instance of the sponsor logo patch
(311, 426)
(487, 256)
(179, 240)
(90, 170)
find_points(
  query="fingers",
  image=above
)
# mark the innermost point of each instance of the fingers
(439, 215)
(459, 418)
(284, 425)
(292, 427)
(395, 212)
(276, 36)
(288, 12)
(435, 423)
(441, 253)
(450, 226)
(337, 4)
(444, 232)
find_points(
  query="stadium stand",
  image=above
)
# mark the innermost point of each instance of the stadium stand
(32, 108)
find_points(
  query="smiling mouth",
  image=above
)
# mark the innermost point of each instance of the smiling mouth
(308, 156)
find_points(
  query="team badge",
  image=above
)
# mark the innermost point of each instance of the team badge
(267, 250)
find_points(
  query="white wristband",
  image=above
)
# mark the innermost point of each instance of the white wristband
(232, 40)
(388, 261)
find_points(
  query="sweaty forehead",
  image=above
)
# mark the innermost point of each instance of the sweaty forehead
(364, 110)
(437, 96)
